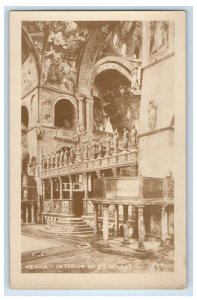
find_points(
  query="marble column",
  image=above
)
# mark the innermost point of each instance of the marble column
(85, 176)
(43, 189)
(141, 229)
(27, 214)
(61, 191)
(51, 181)
(32, 213)
(81, 110)
(126, 225)
(163, 225)
(89, 114)
(96, 221)
(105, 225)
(116, 229)
(71, 196)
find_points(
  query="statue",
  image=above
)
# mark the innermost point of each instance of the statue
(108, 148)
(43, 162)
(134, 137)
(100, 147)
(66, 156)
(152, 114)
(38, 130)
(72, 156)
(61, 161)
(93, 149)
(78, 154)
(48, 161)
(125, 139)
(115, 141)
(57, 159)
(86, 153)
(51, 160)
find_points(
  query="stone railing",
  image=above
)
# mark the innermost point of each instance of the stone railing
(121, 159)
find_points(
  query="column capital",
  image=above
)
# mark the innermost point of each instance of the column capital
(98, 173)
(70, 178)
(59, 178)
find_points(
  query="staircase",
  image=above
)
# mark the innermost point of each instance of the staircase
(71, 226)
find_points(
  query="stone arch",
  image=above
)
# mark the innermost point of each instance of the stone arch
(64, 113)
(24, 118)
(111, 63)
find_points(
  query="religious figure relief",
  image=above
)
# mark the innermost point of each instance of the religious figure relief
(39, 130)
(61, 161)
(93, 149)
(134, 137)
(152, 110)
(78, 157)
(86, 153)
(66, 156)
(158, 36)
(115, 141)
(136, 78)
(100, 147)
(71, 156)
(125, 139)
(108, 148)
(57, 159)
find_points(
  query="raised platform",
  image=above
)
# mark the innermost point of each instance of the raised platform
(65, 224)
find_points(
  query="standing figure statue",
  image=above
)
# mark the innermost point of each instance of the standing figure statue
(51, 160)
(100, 147)
(66, 156)
(57, 159)
(38, 130)
(48, 161)
(43, 162)
(108, 148)
(125, 139)
(72, 156)
(93, 149)
(115, 141)
(86, 153)
(61, 161)
(134, 137)
(78, 154)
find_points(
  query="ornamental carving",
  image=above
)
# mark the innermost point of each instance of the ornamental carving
(152, 111)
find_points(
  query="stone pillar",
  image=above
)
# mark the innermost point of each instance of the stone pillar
(81, 110)
(116, 229)
(51, 181)
(89, 114)
(105, 225)
(85, 178)
(163, 225)
(43, 189)
(61, 191)
(26, 214)
(71, 196)
(141, 230)
(32, 213)
(96, 221)
(126, 225)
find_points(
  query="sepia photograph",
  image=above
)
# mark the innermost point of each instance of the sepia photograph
(98, 148)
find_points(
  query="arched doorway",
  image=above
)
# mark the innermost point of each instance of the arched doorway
(64, 114)
(115, 105)
(24, 119)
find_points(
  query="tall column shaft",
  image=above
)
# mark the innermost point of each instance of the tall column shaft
(96, 221)
(141, 229)
(89, 114)
(61, 192)
(43, 190)
(26, 214)
(126, 225)
(85, 185)
(32, 213)
(163, 225)
(116, 220)
(105, 225)
(51, 181)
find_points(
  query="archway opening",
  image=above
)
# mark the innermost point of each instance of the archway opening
(24, 119)
(115, 105)
(65, 114)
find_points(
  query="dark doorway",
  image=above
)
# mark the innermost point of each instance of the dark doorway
(64, 114)
(78, 203)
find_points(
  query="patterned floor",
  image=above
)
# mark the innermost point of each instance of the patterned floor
(71, 254)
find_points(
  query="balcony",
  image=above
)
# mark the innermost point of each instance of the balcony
(134, 190)
(120, 160)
